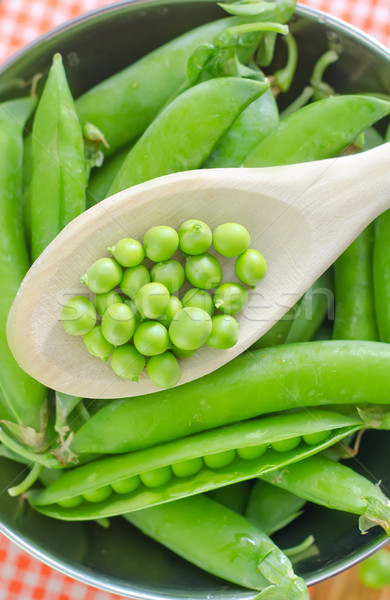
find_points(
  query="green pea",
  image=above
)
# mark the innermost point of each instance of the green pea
(231, 239)
(118, 324)
(203, 271)
(286, 445)
(220, 459)
(71, 502)
(187, 468)
(173, 307)
(152, 300)
(251, 267)
(230, 298)
(180, 353)
(99, 494)
(224, 332)
(151, 338)
(125, 486)
(96, 343)
(251, 452)
(160, 243)
(134, 278)
(200, 299)
(103, 276)
(128, 252)
(156, 477)
(78, 316)
(164, 370)
(170, 273)
(127, 362)
(190, 328)
(103, 301)
(315, 438)
(195, 237)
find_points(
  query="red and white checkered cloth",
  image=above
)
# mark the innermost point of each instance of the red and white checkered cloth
(21, 21)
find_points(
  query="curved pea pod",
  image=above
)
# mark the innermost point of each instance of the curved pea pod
(281, 11)
(58, 183)
(265, 381)
(354, 306)
(186, 131)
(124, 105)
(21, 397)
(309, 133)
(332, 484)
(232, 442)
(381, 269)
(272, 508)
(223, 543)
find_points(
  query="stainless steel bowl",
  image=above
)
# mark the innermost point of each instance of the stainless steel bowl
(120, 559)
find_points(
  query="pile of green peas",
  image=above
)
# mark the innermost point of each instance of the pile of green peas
(141, 320)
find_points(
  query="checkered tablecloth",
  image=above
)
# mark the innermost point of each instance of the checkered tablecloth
(21, 21)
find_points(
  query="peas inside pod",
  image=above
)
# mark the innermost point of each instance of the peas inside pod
(142, 316)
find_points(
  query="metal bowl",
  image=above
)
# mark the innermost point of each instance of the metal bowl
(120, 559)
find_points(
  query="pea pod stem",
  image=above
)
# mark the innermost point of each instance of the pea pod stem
(283, 77)
(29, 480)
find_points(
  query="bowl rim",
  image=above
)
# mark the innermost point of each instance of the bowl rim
(91, 578)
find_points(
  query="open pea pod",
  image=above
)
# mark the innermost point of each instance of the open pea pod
(192, 465)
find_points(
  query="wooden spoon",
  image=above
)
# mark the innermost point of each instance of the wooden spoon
(301, 218)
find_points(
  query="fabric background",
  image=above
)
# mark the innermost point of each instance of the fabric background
(21, 21)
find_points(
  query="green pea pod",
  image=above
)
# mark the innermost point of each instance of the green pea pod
(265, 380)
(312, 310)
(59, 168)
(281, 10)
(237, 550)
(309, 133)
(233, 441)
(381, 268)
(103, 177)
(21, 397)
(332, 484)
(278, 333)
(186, 131)
(272, 508)
(354, 307)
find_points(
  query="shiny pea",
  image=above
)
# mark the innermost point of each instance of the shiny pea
(103, 301)
(118, 324)
(164, 370)
(230, 298)
(156, 477)
(96, 343)
(224, 332)
(125, 486)
(127, 362)
(251, 452)
(195, 237)
(251, 267)
(173, 307)
(103, 276)
(151, 338)
(315, 438)
(231, 239)
(78, 316)
(128, 252)
(190, 328)
(160, 243)
(220, 459)
(203, 271)
(187, 468)
(286, 445)
(170, 273)
(134, 278)
(71, 502)
(200, 299)
(152, 300)
(99, 494)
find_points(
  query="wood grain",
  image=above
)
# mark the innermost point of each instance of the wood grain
(347, 586)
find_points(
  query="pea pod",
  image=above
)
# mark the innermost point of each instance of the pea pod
(21, 397)
(309, 133)
(185, 132)
(332, 484)
(223, 543)
(232, 442)
(275, 379)
(102, 178)
(59, 168)
(272, 508)
(277, 334)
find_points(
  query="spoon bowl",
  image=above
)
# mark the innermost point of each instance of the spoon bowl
(301, 218)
